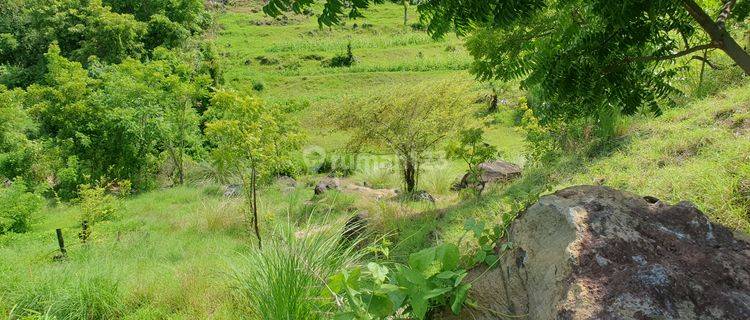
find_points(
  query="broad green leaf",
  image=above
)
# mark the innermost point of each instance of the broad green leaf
(419, 306)
(377, 271)
(479, 256)
(434, 293)
(337, 282)
(422, 260)
(460, 297)
(379, 306)
(448, 255)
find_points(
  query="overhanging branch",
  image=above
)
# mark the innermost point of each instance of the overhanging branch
(706, 61)
(672, 56)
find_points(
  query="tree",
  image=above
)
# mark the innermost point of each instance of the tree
(250, 140)
(112, 122)
(581, 58)
(408, 122)
(111, 30)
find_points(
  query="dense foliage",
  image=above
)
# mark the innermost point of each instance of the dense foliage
(110, 30)
(18, 207)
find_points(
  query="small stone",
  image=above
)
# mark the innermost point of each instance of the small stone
(602, 261)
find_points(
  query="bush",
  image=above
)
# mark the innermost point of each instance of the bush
(258, 86)
(97, 205)
(339, 61)
(18, 207)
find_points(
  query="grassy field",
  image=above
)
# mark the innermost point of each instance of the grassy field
(286, 58)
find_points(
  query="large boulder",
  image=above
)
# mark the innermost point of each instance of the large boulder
(592, 252)
(491, 172)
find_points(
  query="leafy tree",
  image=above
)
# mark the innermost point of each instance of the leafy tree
(111, 30)
(580, 58)
(471, 149)
(81, 28)
(18, 153)
(250, 140)
(113, 121)
(409, 123)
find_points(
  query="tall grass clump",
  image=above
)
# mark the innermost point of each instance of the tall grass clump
(285, 278)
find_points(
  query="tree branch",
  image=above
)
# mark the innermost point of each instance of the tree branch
(672, 56)
(706, 61)
(726, 10)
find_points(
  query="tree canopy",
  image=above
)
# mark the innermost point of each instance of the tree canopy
(111, 30)
(408, 123)
(579, 58)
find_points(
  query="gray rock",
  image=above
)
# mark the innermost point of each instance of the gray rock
(497, 171)
(662, 262)
(326, 184)
(233, 190)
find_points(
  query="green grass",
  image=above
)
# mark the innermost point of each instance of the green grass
(388, 55)
(699, 153)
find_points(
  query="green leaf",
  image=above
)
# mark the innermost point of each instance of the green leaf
(460, 297)
(377, 271)
(337, 283)
(462, 274)
(419, 306)
(379, 306)
(413, 277)
(422, 260)
(479, 256)
(491, 259)
(345, 316)
(434, 293)
(448, 255)
(445, 275)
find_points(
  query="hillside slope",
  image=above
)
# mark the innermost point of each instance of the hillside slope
(699, 153)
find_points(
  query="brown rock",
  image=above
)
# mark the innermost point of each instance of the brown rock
(326, 184)
(592, 252)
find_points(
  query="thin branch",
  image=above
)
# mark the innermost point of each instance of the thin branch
(706, 61)
(671, 56)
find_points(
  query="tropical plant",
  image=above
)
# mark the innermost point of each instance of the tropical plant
(472, 150)
(431, 277)
(250, 139)
(409, 123)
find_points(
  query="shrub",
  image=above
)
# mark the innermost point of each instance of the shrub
(97, 205)
(18, 207)
(258, 86)
(346, 60)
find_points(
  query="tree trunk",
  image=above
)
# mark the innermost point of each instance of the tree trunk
(406, 12)
(254, 184)
(410, 175)
(719, 36)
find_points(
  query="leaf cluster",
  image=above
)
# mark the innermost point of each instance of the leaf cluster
(431, 277)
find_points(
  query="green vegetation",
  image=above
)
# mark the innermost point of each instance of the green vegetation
(165, 138)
